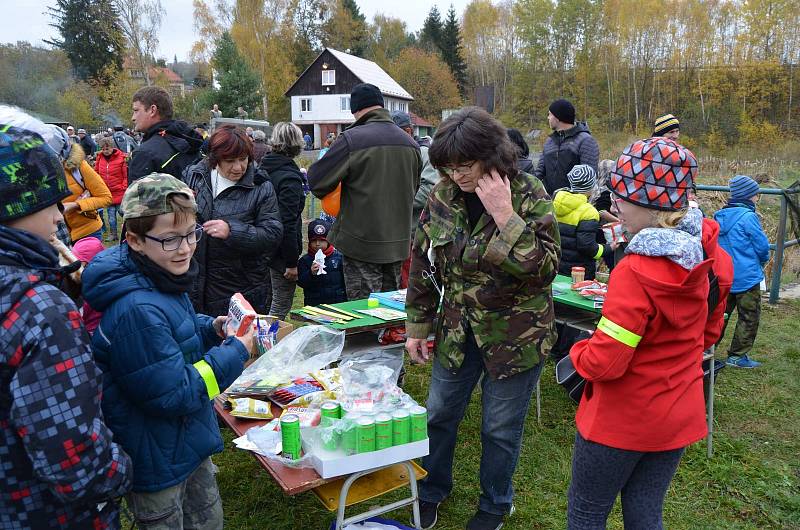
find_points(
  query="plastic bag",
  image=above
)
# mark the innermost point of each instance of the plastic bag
(268, 442)
(301, 352)
(369, 381)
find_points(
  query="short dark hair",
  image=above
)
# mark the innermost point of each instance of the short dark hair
(520, 142)
(228, 143)
(470, 135)
(153, 95)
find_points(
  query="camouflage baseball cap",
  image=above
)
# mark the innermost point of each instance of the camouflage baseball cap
(149, 196)
(31, 176)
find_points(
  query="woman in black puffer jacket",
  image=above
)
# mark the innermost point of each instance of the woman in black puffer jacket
(284, 175)
(241, 222)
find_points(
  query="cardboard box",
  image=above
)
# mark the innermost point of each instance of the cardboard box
(334, 464)
(284, 328)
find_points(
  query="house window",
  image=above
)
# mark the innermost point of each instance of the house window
(344, 103)
(403, 106)
(328, 77)
(305, 105)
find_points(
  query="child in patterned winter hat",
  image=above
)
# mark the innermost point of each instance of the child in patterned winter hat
(643, 402)
(60, 466)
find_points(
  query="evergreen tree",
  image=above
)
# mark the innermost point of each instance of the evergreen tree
(452, 50)
(430, 36)
(238, 83)
(359, 44)
(91, 36)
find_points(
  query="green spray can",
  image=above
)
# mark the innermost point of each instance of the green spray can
(383, 431)
(349, 433)
(365, 434)
(290, 436)
(329, 415)
(419, 423)
(401, 427)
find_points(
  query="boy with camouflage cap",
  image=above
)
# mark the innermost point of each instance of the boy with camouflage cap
(60, 468)
(162, 363)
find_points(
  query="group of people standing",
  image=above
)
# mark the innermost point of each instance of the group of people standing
(486, 239)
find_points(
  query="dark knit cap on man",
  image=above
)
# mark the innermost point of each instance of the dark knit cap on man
(31, 175)
(563, 110)
(365, 95)
(655, 173)
(665, 124)
(743, 188)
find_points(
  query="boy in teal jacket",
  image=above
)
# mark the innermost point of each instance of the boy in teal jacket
(742, 237)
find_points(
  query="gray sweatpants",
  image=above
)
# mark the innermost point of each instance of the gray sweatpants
(280, 303)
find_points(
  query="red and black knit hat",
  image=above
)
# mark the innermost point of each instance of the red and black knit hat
(655, 173)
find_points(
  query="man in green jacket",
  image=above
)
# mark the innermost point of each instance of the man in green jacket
(378, 166)
(487, 245)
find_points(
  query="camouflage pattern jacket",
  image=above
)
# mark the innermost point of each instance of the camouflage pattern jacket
(496, 282)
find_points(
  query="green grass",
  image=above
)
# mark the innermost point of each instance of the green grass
(752, 482)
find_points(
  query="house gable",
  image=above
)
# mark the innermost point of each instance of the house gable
(310, 82)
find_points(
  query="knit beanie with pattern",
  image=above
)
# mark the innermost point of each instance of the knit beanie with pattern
(655, 173)
(581, 178)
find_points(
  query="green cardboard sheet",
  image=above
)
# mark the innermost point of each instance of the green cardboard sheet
(366, 321)
(563, 293)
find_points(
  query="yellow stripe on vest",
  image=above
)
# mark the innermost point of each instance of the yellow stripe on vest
(599, 253)
(618, 333)
(170, 159)
(207, 373)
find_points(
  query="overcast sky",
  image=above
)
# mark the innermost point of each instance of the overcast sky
(28, 20)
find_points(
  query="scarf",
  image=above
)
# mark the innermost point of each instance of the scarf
(681, 244)
(328, 251)
(165, 281)
(746, 203)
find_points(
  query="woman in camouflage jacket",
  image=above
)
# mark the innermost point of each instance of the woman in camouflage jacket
(488, 239)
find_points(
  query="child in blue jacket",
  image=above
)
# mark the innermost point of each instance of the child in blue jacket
(325, 288)
(742, 237)
(162, 363)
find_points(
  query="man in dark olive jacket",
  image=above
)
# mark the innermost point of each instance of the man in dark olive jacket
(570, 144)
(169, 146)
(378, 166)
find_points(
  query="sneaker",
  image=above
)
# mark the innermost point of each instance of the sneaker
(742, 361)
(486, 521)
(428, 514)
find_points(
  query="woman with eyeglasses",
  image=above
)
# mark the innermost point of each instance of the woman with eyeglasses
(162, 363)
(241, 224)
(487, 243)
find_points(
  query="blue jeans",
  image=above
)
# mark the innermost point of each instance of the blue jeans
(112, 220)
(504, 407)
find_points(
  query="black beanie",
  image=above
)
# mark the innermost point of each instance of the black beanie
(563, 110)
(365, 95)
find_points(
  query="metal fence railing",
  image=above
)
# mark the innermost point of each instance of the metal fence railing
(781, 243)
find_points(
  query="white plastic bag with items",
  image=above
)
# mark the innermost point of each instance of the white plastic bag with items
(305, 350)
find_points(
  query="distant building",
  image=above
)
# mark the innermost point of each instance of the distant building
(421, 126)
(166, 77)
(321, 95)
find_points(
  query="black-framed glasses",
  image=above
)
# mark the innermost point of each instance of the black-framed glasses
(170, 244)
(463, 169)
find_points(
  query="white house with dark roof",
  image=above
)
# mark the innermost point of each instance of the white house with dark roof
(321, 95)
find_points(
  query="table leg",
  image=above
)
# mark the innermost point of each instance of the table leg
(710, 406)
(341, 522)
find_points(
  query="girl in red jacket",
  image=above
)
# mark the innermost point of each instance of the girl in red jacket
(113, 169)
(643, 401)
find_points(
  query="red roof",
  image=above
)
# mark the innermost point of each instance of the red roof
(420, 122)
(154, 71)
